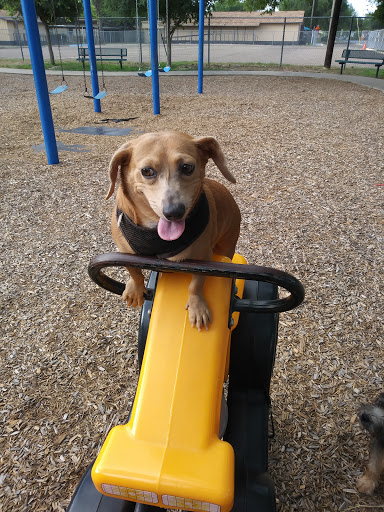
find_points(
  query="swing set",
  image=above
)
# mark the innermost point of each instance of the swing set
(61, 88)
(103, 92)
(166, 69)
(64, 85)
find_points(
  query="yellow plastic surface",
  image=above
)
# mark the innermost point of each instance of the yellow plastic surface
(169, 453)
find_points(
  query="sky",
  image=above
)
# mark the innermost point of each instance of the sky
(362, 7)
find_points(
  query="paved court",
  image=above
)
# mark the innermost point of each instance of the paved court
(236, 53)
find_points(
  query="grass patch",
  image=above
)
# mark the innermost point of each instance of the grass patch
(73, 65)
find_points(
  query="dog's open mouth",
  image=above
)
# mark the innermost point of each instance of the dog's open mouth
(170, 230)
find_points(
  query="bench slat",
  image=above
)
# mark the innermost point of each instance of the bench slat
(362, 54)
(83, 52)
(348, 61)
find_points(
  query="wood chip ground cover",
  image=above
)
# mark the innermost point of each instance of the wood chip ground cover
(307, 155)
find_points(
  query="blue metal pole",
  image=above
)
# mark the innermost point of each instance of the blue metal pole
(152, 14)
(36, 53)
(91, 52)
(200, 71)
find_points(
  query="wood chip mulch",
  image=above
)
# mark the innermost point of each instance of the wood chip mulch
(307, 155)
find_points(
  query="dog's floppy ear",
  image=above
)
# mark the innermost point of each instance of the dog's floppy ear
(210, 148)
(120, 158)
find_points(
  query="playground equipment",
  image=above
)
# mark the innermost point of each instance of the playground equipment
(90, 52)
(63, 86)
(169, 454)
(165, 69)
(39, 76)
(148, 73)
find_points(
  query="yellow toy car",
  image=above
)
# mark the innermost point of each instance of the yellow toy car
(179, 448)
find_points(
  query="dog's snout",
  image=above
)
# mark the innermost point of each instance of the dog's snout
(174, 211)
(365, 418)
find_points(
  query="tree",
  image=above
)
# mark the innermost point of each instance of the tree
(229, 5)
(261, 5)
(321, 9)
(48, 11)
(378, 14)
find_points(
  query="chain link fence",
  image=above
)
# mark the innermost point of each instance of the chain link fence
(242, 40)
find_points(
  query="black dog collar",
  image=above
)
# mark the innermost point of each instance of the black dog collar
(147, 242)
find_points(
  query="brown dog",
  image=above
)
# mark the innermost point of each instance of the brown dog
(166, 207)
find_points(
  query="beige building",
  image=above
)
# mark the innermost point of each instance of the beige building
(248, 27)
(11, 29)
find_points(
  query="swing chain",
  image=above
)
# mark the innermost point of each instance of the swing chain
(78, 48)
(101, 60)
(58, 43)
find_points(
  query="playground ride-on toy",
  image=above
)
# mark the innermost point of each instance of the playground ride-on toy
(169, 454)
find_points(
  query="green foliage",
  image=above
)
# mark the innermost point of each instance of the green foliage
(378, 14)
(323, 8)
(229, 5)
(47, 10)
(179, 11)
(261, 5)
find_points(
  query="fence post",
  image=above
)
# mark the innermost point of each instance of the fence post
(19, 38)
(350, 31)
(282, 43)
(209, 40)
(141, 42)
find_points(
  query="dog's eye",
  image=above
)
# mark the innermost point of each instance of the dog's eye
(148, 172)
(187, 169)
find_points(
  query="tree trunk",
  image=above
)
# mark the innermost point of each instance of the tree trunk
(49, 43)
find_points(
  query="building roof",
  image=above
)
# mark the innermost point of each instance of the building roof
(253, 19)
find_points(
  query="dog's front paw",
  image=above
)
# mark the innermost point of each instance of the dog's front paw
(198, 310)
(366, 485)
(133, 294)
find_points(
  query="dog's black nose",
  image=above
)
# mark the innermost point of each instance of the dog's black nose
(174, 211)
(364, 417)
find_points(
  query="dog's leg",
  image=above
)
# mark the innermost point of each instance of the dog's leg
(135, 288)
(368, 482)
(197, 306)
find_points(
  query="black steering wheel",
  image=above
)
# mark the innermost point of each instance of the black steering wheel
(208, 268)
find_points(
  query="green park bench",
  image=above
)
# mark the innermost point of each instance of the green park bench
(361, 57)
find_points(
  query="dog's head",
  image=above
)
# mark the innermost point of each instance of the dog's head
(167, 169)
(371, 417)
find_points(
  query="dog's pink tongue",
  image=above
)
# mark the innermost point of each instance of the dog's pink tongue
(170, 230)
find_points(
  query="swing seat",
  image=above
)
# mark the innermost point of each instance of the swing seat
(59, 89)
(100, 95)
(147, 73)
